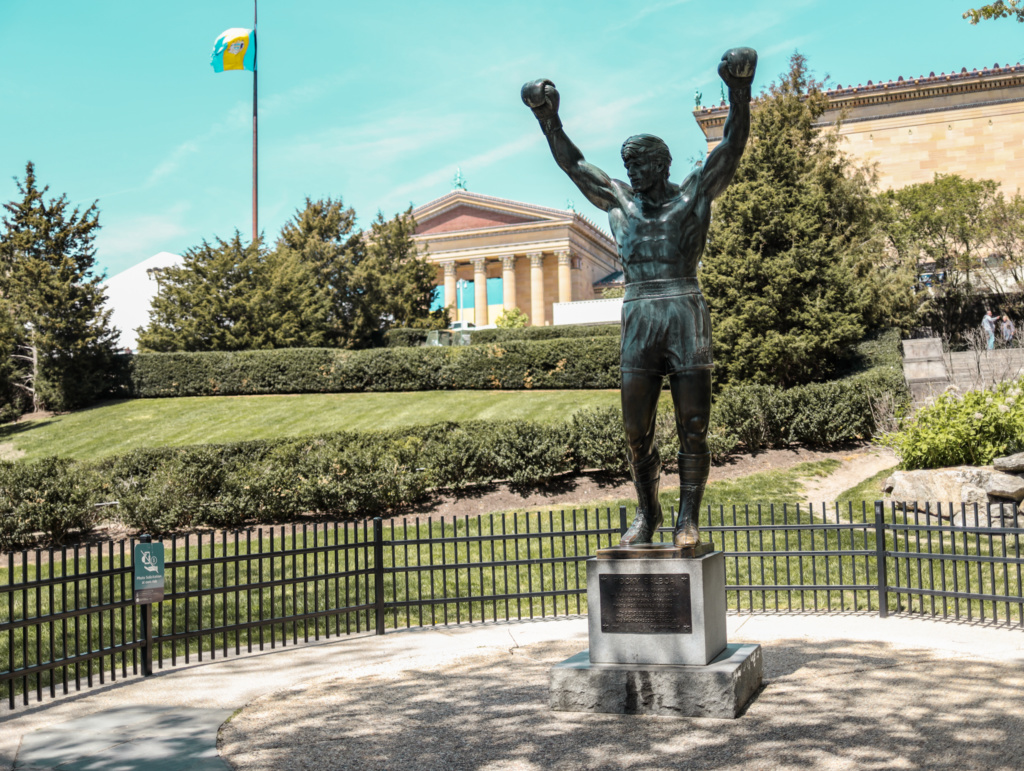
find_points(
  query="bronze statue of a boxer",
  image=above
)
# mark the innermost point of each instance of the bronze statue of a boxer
(660, 229)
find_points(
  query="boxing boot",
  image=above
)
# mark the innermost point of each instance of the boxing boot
(646, 478)
(693, 475)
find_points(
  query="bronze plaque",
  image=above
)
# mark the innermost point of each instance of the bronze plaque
(646, 604)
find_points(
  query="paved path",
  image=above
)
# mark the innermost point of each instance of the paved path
(845, 691)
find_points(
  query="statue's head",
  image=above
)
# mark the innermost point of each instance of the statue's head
(647, 160)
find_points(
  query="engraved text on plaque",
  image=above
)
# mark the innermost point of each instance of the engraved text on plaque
(645, 604)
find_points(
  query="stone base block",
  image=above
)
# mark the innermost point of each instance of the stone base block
(650, 638)
(719, 689)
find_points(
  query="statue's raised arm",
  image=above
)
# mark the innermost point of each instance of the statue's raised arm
(737, 70)
(542, 97)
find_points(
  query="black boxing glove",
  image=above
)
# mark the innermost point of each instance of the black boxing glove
(542, 97)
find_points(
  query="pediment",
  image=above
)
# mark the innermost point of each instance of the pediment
(462, 211)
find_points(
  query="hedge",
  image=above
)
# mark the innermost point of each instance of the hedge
(556, 364)
(404, 337)
(485, 336)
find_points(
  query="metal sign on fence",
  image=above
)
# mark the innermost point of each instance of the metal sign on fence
(149, 573)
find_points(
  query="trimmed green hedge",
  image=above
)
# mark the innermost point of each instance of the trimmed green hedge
(814, 415)
(562, 364)
(403, 337)
(568, 331)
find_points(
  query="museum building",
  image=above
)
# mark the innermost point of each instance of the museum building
(966, 123)
(493, 254)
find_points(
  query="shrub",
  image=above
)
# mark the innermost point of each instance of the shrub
(529, 453)
(52, 496)
(973, 428)
(757, 415)
(598, 439)
(513, 318)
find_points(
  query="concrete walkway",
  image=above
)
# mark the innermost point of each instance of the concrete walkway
(867, 692)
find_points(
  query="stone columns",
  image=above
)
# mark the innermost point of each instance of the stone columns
(450, 287)
(480, 291)
(564, 276)
(536, 289)
(508, 281)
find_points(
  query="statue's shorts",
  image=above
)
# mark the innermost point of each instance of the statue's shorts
(665, 327)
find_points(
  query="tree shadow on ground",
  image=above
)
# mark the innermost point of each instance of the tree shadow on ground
(835, 704)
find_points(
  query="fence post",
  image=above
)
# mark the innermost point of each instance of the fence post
(378, 572)
(147, 623)
(622, 519)
(880, 563)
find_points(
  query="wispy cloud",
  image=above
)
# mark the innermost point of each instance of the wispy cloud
(646, 11)
(121, 244)
(432, 179)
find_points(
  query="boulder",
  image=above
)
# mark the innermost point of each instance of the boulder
(962, 484)
(1011, 463)
(1003, 485)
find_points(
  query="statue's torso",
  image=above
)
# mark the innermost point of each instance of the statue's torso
(665, 241)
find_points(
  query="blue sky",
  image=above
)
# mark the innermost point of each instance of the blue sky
(379, 102)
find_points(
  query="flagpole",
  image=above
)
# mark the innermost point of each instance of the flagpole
(255, 163)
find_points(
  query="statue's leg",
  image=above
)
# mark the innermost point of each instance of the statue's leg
(691, 395)
(640, 392)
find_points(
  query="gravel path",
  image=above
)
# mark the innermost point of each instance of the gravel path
(827, 704)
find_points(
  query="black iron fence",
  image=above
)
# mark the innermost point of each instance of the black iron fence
(68, 618)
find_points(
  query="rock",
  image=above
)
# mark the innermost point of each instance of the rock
(962, 484)
(1013, 463)
(888, 485)
(1003, 485)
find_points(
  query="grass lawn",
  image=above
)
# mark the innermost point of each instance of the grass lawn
(117, 427)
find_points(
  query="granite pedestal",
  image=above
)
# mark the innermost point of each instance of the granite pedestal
(657, 642)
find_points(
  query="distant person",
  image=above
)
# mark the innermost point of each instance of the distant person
(1008, 330)
(988, 324)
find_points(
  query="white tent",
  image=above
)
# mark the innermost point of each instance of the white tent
(130, 292)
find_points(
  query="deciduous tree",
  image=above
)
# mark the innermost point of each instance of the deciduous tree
(1000, 9)
(947, 223)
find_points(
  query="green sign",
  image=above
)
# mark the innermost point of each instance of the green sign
(149, 572)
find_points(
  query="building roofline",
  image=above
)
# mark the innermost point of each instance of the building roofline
(438, 205)
(924, 86)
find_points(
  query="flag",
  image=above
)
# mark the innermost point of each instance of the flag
(235, 49)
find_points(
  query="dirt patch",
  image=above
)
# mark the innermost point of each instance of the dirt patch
(569, 491)
(857, 466)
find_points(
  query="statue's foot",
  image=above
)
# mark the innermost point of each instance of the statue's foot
(642, 529)
(686, 535)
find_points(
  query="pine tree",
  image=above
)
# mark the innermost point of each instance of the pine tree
(211, 302)
(322, 237)
(323, 285)
(793, 268)
(62, 339)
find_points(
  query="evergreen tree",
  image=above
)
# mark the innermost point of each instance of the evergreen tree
(324, 284)
(793, 268)
(391, 286)
(322, 237)
(62, 340)
(212, 301)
